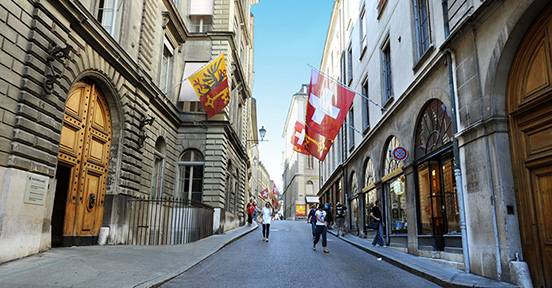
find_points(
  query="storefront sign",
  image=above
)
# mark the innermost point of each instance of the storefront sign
(400, 153)
(300, 210)
(36, 189)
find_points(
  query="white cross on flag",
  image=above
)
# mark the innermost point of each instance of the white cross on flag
(328, 105)
(298, 138)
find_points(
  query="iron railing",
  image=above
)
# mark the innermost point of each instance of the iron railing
(167, 221)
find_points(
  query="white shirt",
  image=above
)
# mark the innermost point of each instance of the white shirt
(267, 215)
(320, 217)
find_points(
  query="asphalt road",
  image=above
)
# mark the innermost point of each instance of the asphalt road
(288, 260)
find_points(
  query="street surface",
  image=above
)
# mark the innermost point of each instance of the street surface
(289, 261)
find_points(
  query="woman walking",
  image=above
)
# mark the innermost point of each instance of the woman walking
(321, 229)
(266, 213)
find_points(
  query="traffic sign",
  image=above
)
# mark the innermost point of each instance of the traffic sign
(400, 153)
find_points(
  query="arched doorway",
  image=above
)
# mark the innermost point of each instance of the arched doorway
(530, 120)
(83, 161)
(438, 213)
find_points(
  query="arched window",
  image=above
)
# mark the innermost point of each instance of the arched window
(391, 164)
(439, 214)
(369, 179)
(370, 196)
(190, 175)
(310, 188)
(158, 168)
(395, 187)
(433, 130)
(355, 212)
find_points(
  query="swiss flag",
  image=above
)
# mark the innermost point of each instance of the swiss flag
(298, 138)
(264, 194)
(327, 106)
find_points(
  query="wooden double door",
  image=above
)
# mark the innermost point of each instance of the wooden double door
(83, 165)
(530, 120)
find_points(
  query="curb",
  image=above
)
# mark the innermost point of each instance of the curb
(157, 282)
(433, 278)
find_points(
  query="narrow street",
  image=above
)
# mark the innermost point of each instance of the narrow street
(288, 261)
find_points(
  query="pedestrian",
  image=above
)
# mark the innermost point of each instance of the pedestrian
(321, 229)
(267, 217)
(340, 218)
(329, 215)
(255, 210)
(375, 214)
(311, 219)
(250, 210)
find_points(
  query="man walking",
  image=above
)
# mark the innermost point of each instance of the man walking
(375, 214)
(340, 218)
(311, 219)
(321, 229)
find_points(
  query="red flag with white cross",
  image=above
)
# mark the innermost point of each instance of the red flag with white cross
(327, 107)
(298, 138)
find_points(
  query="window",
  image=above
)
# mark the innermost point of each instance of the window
(236, 190)
(109, 12)
(362, 29)
(386, 73)
(158, 168)
(437, 199)
(190, 171)
(381, 6)
(343, 67)
(310, 188)
(365, 107)
(395, 187)
(229, 188)
(350, 65)
(166, 68)
(351, 128)
(422, 25)
(310, 162)
(370, 196)
(369, 180)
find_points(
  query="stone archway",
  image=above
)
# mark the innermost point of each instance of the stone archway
(529, 105)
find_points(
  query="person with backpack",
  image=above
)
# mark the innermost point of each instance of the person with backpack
(311, 219)
(329, 215)
(321, 229)
(340, 210)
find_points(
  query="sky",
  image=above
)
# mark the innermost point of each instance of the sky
(289, 35)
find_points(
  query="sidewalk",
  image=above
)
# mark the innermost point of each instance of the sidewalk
(427, 268)
(112, 266)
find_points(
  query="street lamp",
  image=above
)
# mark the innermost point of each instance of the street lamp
(262, 133)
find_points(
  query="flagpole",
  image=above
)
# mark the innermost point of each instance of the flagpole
(345, 86)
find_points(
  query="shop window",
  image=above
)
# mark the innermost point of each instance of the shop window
(395, 189)
(437, 198)
(190, 169)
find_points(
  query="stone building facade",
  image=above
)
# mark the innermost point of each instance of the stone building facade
(300, 177)
(90, 115)
(464, 88)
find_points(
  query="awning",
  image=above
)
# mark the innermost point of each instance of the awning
(312, 199)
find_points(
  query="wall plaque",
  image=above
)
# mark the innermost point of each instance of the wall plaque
(36, 189)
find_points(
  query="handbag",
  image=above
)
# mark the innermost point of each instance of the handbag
(374, 225)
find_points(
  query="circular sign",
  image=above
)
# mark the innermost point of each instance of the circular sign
(400, 153)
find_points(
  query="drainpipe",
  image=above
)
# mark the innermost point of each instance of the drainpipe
(451, 61)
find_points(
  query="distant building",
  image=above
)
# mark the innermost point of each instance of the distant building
(300, 176)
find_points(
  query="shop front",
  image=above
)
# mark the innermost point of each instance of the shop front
(394, 184)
